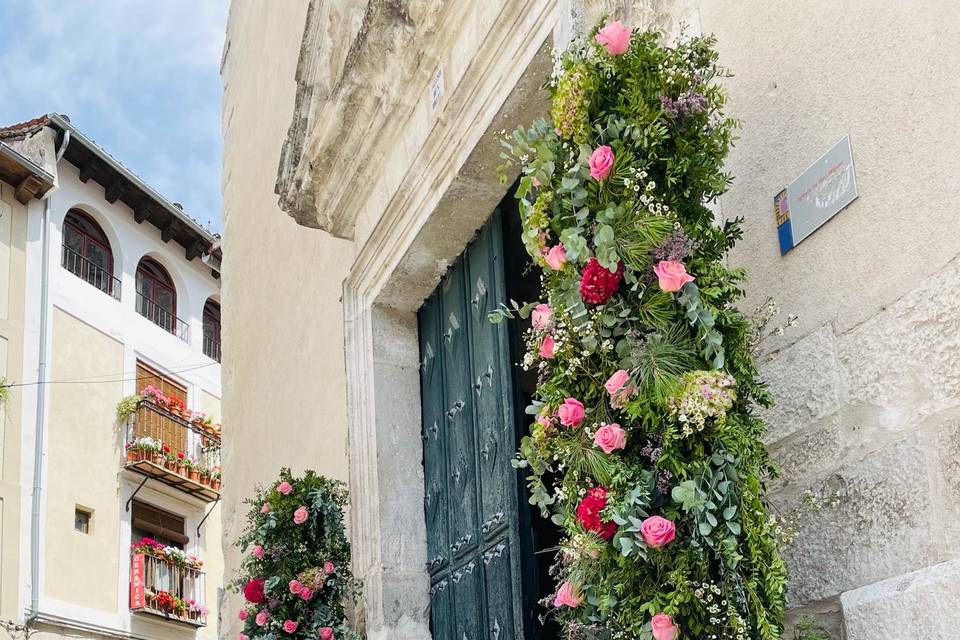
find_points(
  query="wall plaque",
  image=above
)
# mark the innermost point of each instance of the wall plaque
(818, 194)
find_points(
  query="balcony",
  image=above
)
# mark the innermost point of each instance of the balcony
(167, 583)
(184, 454)
(162, 317)
(211, 347)
(92, 273)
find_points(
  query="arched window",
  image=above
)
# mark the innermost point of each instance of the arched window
(87, 254)
(157, 297)
(211, 329)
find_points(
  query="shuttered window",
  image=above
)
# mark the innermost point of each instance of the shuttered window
(170, 432)
(163, 526)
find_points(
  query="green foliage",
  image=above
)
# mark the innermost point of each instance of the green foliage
(127, 407)
(672, 368)
(279, 548)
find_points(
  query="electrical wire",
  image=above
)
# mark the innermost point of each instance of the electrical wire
(92, 380)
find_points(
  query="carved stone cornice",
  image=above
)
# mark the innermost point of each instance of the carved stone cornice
(362, 67)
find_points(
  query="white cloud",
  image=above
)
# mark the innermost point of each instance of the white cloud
(139, 77)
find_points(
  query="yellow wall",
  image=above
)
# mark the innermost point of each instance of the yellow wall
(83, 445)
(13, 221)
(283, 371)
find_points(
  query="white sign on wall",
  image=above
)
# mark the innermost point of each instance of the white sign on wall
(818, 194)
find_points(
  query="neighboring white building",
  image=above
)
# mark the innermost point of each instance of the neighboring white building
(120, 290)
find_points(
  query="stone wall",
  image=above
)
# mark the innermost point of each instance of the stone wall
(867, 385)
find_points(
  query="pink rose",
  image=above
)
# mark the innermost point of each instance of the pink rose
(601, 162)
(306, 594)
(548, 347)
(243, 636)
(289, 626)
(610, 437)
(328, 567)
(657, 531)
(571, 413)
(262, 618)
(300, 515)
(295, 587)
(257, 552)
(326, 633)
(567, 596)
(672, 275)
(541, 316)
(663, 627)
(615, 38)
(243, 614)
(556, 257)
(619, 388)
(544, 421)
(285, 488)
(265, 508)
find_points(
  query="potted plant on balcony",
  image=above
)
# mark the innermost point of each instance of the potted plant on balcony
(153, 395)
(215, 478)
(145, 447)
(193, 470)
(176, 406)
(181, 463)
(132, 452)
(169, 458)
(127, 407)
(158, 454)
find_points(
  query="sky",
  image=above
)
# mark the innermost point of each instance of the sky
(140, 78)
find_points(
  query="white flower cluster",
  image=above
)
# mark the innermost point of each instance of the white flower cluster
(722, 614)
(705, 395)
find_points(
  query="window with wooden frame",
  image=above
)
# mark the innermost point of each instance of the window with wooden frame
(163, 526)
(155, 424)
(211, 329)
(87, 253)
(156, 295)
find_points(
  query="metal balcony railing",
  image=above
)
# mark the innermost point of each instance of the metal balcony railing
(165, 588)
(169, 448)
(92, 273)
(162, 317)
(211, 347)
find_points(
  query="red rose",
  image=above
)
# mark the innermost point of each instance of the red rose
(253, 591)
(598, 284)
(588, 513)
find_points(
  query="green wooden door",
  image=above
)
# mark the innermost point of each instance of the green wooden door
(470, 500)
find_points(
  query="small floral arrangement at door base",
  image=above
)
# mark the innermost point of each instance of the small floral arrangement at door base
(295, 575)
(644, 445)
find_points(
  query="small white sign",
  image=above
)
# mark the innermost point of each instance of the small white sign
(818, 194)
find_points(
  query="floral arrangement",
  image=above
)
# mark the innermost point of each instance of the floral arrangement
(644, 448)
(129, 404)
(173, 555)
(295, 574)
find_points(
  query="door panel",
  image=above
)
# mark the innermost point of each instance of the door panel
(470, 501)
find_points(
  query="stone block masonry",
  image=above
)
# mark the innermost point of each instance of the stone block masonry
(872, 416)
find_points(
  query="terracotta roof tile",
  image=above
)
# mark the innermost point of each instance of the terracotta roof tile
(23, 129)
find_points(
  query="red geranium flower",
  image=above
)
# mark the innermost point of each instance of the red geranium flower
(253, 591)
(598, 284)
(588, 513)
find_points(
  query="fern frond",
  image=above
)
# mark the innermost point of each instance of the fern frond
(661, 359)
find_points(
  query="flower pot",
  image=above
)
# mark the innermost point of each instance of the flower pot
(215, 484)
(181, 469)
(193, 475)
(132, 455)
(171, 465)
(205, 481)
(158, 459)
